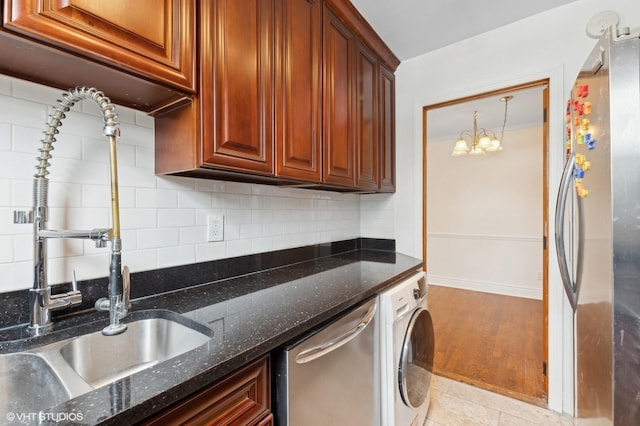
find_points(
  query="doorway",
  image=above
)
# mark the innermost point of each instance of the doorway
(485, 231)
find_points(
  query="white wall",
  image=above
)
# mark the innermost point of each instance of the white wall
(484, 216)
(162, 218)
(549, 45)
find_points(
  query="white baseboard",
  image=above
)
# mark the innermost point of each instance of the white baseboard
(487, 287)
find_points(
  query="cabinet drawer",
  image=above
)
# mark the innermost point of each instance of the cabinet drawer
(243, 398)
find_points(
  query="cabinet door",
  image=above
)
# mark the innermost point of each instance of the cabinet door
(237, 73)
(152, 38)
(367, 141)
(338, 112)
(298, 96)
(387, 131)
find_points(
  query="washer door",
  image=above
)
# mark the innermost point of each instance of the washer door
(416, 359)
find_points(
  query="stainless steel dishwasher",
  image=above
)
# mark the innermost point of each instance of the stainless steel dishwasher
(330, 376)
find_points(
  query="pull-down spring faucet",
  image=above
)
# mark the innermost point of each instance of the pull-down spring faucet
(42, 302)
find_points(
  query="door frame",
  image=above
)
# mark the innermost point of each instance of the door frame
(542, 83)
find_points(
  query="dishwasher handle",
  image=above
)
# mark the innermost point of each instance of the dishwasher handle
(324, 348)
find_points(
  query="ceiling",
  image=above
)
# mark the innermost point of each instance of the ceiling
(523, 111)
(413, 27)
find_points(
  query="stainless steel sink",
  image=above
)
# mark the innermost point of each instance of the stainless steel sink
(147, 342)
(29, 384)
(46, 376)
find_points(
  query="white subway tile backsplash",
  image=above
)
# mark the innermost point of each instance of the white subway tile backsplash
(5, 193)
(193, 235)
(35, 92)
(5, 85)
(176, 217)
(281, 242)
(17, 165)
(211, 251)
(261, 216)
(178, 255)
(161, 198)
(21, 112)
(80, 122)
(143, 120)
(250, 230)
(260, 245)
(78, 171)
(129, 240)
(144, 158)
(131, 134)
(127, 154)
(207, 185)
(231, 232)
(15, 276)
(139, 260)
(271, 229)
(79, 218)
(23, 247)
(22, 193)
(97, 150)
(5, 137)
(176, 182)
(238, 188)
(136, 177)
(238, 217)
(65, 195)
(138, 218)
(238, 248)
(192, 199)
(125, 115)
(127, 197)
(7, 227)
(154, 238)
(163, 218)
(61, 248)
(6, 249)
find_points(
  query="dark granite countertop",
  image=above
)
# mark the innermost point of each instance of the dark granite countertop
(250, 315)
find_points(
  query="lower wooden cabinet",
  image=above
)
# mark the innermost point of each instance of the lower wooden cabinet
(243, 398)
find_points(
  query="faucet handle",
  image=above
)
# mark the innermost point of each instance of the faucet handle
(126, 288)
(74, 282)
(23, 216)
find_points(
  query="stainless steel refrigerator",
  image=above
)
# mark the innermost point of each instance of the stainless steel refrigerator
(598, 229)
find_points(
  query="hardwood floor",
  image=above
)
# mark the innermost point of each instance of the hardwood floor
(490, 341)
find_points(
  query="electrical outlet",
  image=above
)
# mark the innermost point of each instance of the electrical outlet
(215, 227)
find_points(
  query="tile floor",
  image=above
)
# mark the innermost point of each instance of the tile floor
(458, 404)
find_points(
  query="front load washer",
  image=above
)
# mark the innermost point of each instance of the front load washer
(407, 351)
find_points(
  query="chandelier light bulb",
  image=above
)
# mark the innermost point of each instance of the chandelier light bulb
(481, 142)
(484, 142)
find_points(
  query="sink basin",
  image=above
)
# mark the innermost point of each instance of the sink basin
(100, 359)
(29, 384)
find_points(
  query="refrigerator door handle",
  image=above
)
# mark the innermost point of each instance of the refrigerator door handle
(561, 203)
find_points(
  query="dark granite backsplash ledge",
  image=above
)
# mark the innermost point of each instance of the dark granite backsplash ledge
(15, 306)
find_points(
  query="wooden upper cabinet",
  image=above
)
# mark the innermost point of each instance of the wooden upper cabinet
(289, 92)
(339, 106)
(237, 84)
(367, 119)
(387, 130)
(154, 39)
(298, 90)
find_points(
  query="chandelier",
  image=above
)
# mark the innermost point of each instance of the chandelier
(481, 140)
